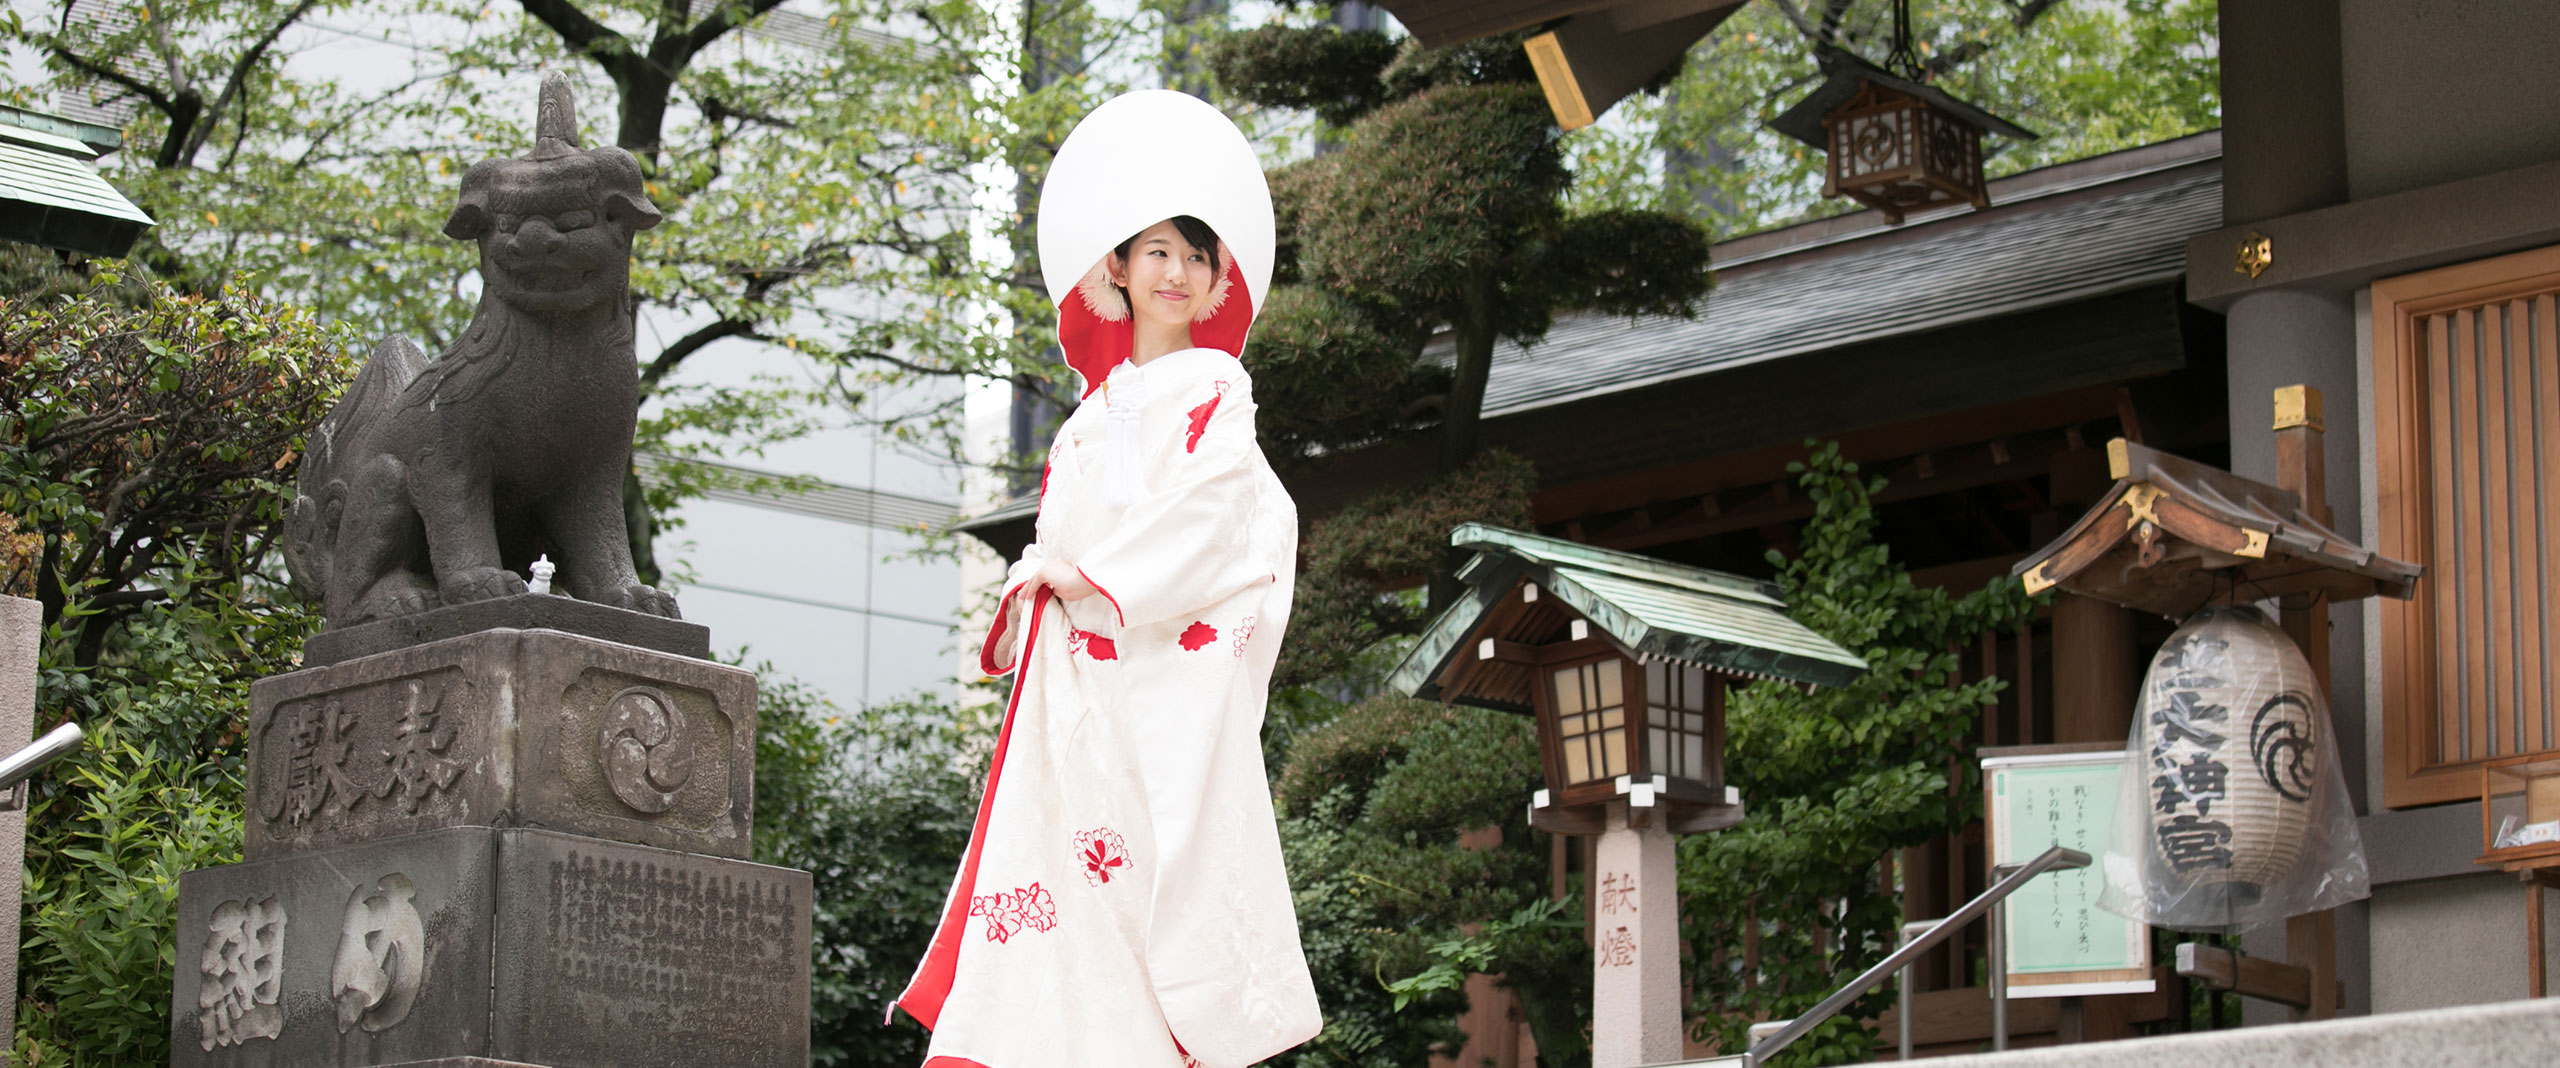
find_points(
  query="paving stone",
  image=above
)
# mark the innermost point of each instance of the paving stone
(533, 728)
(524, 611)
(510, 944)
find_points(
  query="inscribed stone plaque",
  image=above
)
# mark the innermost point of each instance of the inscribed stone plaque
(623, 956)
(355, 955)
(504, 728)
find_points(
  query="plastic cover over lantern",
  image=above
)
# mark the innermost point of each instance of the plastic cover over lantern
(2234, 810)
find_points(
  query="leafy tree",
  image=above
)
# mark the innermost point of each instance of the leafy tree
(2088, 77)
(815, 192)
(1839, 778)
(151, 441)
(147, 447)
(1372, 806)
(1442, 209)
(877, 835)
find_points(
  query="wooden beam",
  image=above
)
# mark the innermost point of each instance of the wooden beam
(2060, 412)
(2256, 977)
(1775, 502)
(1964, 1014)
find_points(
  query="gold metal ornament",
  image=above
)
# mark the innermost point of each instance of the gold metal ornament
(2255, 253)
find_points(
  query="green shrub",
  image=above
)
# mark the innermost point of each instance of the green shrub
(96, 953)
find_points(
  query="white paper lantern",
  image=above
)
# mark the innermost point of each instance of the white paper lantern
(2228, 731)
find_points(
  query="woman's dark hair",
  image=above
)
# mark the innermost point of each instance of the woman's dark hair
(1193, 231)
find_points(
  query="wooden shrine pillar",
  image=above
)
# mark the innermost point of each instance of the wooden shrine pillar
(2311, 939)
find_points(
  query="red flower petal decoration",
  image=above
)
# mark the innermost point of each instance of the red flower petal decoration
(1197, 636)
(1095, 645)
(1200, 419)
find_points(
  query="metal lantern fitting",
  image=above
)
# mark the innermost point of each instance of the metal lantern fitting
(1893, 143)
(1624, 661)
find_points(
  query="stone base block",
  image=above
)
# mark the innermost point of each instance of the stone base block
(479, 946)
(525, 611)
(534, 728)
(463, 1062)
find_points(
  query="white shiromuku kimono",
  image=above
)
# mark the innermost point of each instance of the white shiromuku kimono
(1123, 891)
(1122, 903)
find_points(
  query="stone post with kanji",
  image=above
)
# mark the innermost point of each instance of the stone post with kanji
(21, 625)
(1635, 942)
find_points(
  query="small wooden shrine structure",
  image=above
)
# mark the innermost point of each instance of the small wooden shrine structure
(2172, 536)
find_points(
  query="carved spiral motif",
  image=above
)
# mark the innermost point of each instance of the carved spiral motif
(1877, 144)
(641, 747)
(2281, 747)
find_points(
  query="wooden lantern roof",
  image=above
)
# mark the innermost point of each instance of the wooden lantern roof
(1649, 609)
(2173, 536)
(1845, 76)
(50, 192)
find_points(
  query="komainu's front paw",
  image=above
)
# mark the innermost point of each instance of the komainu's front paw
(480, 584)
(397, 594)
(643, 598)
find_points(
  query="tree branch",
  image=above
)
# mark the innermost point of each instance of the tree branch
(718, 22)
(669, 357)
(160, 101)
(582, 33)
(239, 75)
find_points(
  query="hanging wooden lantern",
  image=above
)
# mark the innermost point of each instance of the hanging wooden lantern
(1893, 143)
(2229, 725)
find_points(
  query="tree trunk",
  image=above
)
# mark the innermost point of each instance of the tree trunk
(1464, 409)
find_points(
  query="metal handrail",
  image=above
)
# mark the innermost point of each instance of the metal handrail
(2018, 876)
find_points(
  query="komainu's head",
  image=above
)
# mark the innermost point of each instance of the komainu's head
(555, 226)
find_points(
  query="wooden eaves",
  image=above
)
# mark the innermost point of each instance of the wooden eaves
(2172, 536)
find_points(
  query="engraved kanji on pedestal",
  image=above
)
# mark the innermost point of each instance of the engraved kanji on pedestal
(504, 728)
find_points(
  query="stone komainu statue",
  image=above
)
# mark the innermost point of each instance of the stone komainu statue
(438, 482)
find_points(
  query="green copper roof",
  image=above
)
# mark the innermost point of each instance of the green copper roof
(1654, 608)
(50, 196)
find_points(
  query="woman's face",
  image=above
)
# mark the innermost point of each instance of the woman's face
(1165, 277)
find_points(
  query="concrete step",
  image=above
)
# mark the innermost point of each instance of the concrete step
(2518, 1033)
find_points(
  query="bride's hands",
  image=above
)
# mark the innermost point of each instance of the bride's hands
(1068, 582)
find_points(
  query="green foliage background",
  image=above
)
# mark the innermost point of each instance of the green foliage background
(1837, 778)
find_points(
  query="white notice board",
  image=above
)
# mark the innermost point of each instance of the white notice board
(2060, 943)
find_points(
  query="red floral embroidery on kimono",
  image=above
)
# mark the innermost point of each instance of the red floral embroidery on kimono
(1200, 419)
(1103, 854)
(1198, 636)
(1243, 633)
(1093, 645)
(1008, 914)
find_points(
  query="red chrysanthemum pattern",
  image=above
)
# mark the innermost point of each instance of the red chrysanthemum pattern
(1242, 633)
(1197, 636)
(1008, 915)
(1092, 645)
(1104, 855)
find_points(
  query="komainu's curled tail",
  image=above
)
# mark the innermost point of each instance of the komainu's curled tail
(332, 452)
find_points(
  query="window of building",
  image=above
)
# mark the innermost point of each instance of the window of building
(2467, 461)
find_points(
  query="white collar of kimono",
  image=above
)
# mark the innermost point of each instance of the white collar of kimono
(1137, 160)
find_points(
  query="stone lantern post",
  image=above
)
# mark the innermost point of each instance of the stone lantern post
(1624, 661)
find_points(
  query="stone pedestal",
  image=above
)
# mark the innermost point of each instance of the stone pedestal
(509, 848)
(534, 728)
(1635, 989)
